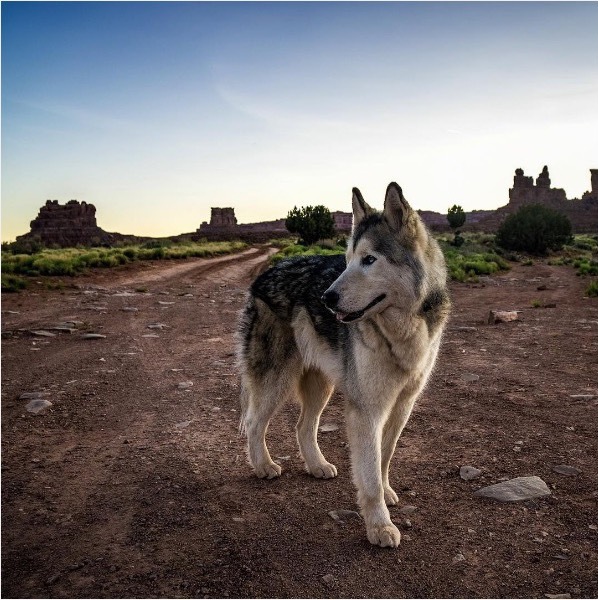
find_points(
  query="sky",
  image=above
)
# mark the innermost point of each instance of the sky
(157, 111)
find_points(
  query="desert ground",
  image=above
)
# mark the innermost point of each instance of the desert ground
(134, 482)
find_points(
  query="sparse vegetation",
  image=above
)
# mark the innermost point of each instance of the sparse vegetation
(592, 289)
(476, 256)
(72, 261)
(323, 247)
(13, 283)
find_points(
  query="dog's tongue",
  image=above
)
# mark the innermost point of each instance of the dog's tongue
(340, 316)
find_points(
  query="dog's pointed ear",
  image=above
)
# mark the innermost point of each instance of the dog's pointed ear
(361, 209)
(396, 209)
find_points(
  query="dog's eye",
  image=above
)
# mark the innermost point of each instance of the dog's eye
(368, 260)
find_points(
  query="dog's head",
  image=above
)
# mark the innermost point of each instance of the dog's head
(391, 260)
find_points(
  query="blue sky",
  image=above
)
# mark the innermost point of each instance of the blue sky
(156, 111)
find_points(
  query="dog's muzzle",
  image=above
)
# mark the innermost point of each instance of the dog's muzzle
(331, 299)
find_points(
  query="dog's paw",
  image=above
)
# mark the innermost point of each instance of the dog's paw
(323, 470)
(385, 535)
(268, 471)
(390, 496)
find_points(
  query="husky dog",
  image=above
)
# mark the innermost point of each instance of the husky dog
(368, 324)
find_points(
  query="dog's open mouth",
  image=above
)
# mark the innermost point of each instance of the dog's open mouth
(353, 316)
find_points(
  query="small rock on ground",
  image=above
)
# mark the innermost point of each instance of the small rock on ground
(470, 377)
(328, 427)
(408, 509)
(515, 490)
(468, 473)
(566, 470)
(93, 336)
(43, 333)
(38, 405)
(502, 316)
(184, 385)
(341, 515)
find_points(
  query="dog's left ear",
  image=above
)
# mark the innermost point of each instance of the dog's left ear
(396, 209)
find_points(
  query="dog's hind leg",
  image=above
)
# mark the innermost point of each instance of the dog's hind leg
(314, 392)
(262, 402)
(364, 429)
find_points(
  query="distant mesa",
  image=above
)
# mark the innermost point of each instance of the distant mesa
(74, 223)
(70, 224)
(223, 225)
(583, 212)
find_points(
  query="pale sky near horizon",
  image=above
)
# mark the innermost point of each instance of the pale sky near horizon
(156, 111)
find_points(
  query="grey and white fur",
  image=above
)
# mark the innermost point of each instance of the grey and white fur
(369, 324)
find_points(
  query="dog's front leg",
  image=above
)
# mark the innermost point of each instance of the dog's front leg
(364, 430)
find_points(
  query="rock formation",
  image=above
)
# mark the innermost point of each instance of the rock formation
(582, 213)
(70, 224)
(223, 217)
(525, 192)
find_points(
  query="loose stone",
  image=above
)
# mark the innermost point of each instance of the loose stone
(566, 470)
(470, 377)
(468, 473)
(37, 406)
(341, 515)
(408, 509)
(515, 490)
(328, 427)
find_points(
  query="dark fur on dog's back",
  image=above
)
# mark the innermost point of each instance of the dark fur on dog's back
(297, 283)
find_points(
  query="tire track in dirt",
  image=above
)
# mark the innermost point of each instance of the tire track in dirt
(109, 424)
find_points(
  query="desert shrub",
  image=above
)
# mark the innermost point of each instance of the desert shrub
(312, 223)
(535, 229)
(151, 244)
(13, 283)
(28, 246)
(592, 289)
(585, 266)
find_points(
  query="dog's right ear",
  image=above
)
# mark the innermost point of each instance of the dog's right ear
(361, 209)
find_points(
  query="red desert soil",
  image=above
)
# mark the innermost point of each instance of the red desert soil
(128, 486)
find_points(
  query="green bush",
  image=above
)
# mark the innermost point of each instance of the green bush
(456, 216)
(535, 229)
(312, 223)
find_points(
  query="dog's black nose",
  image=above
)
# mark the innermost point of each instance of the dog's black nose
(330, 299)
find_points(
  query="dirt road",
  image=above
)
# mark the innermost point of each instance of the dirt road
(134, 483)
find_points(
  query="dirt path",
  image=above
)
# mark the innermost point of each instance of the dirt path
(131, 487)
